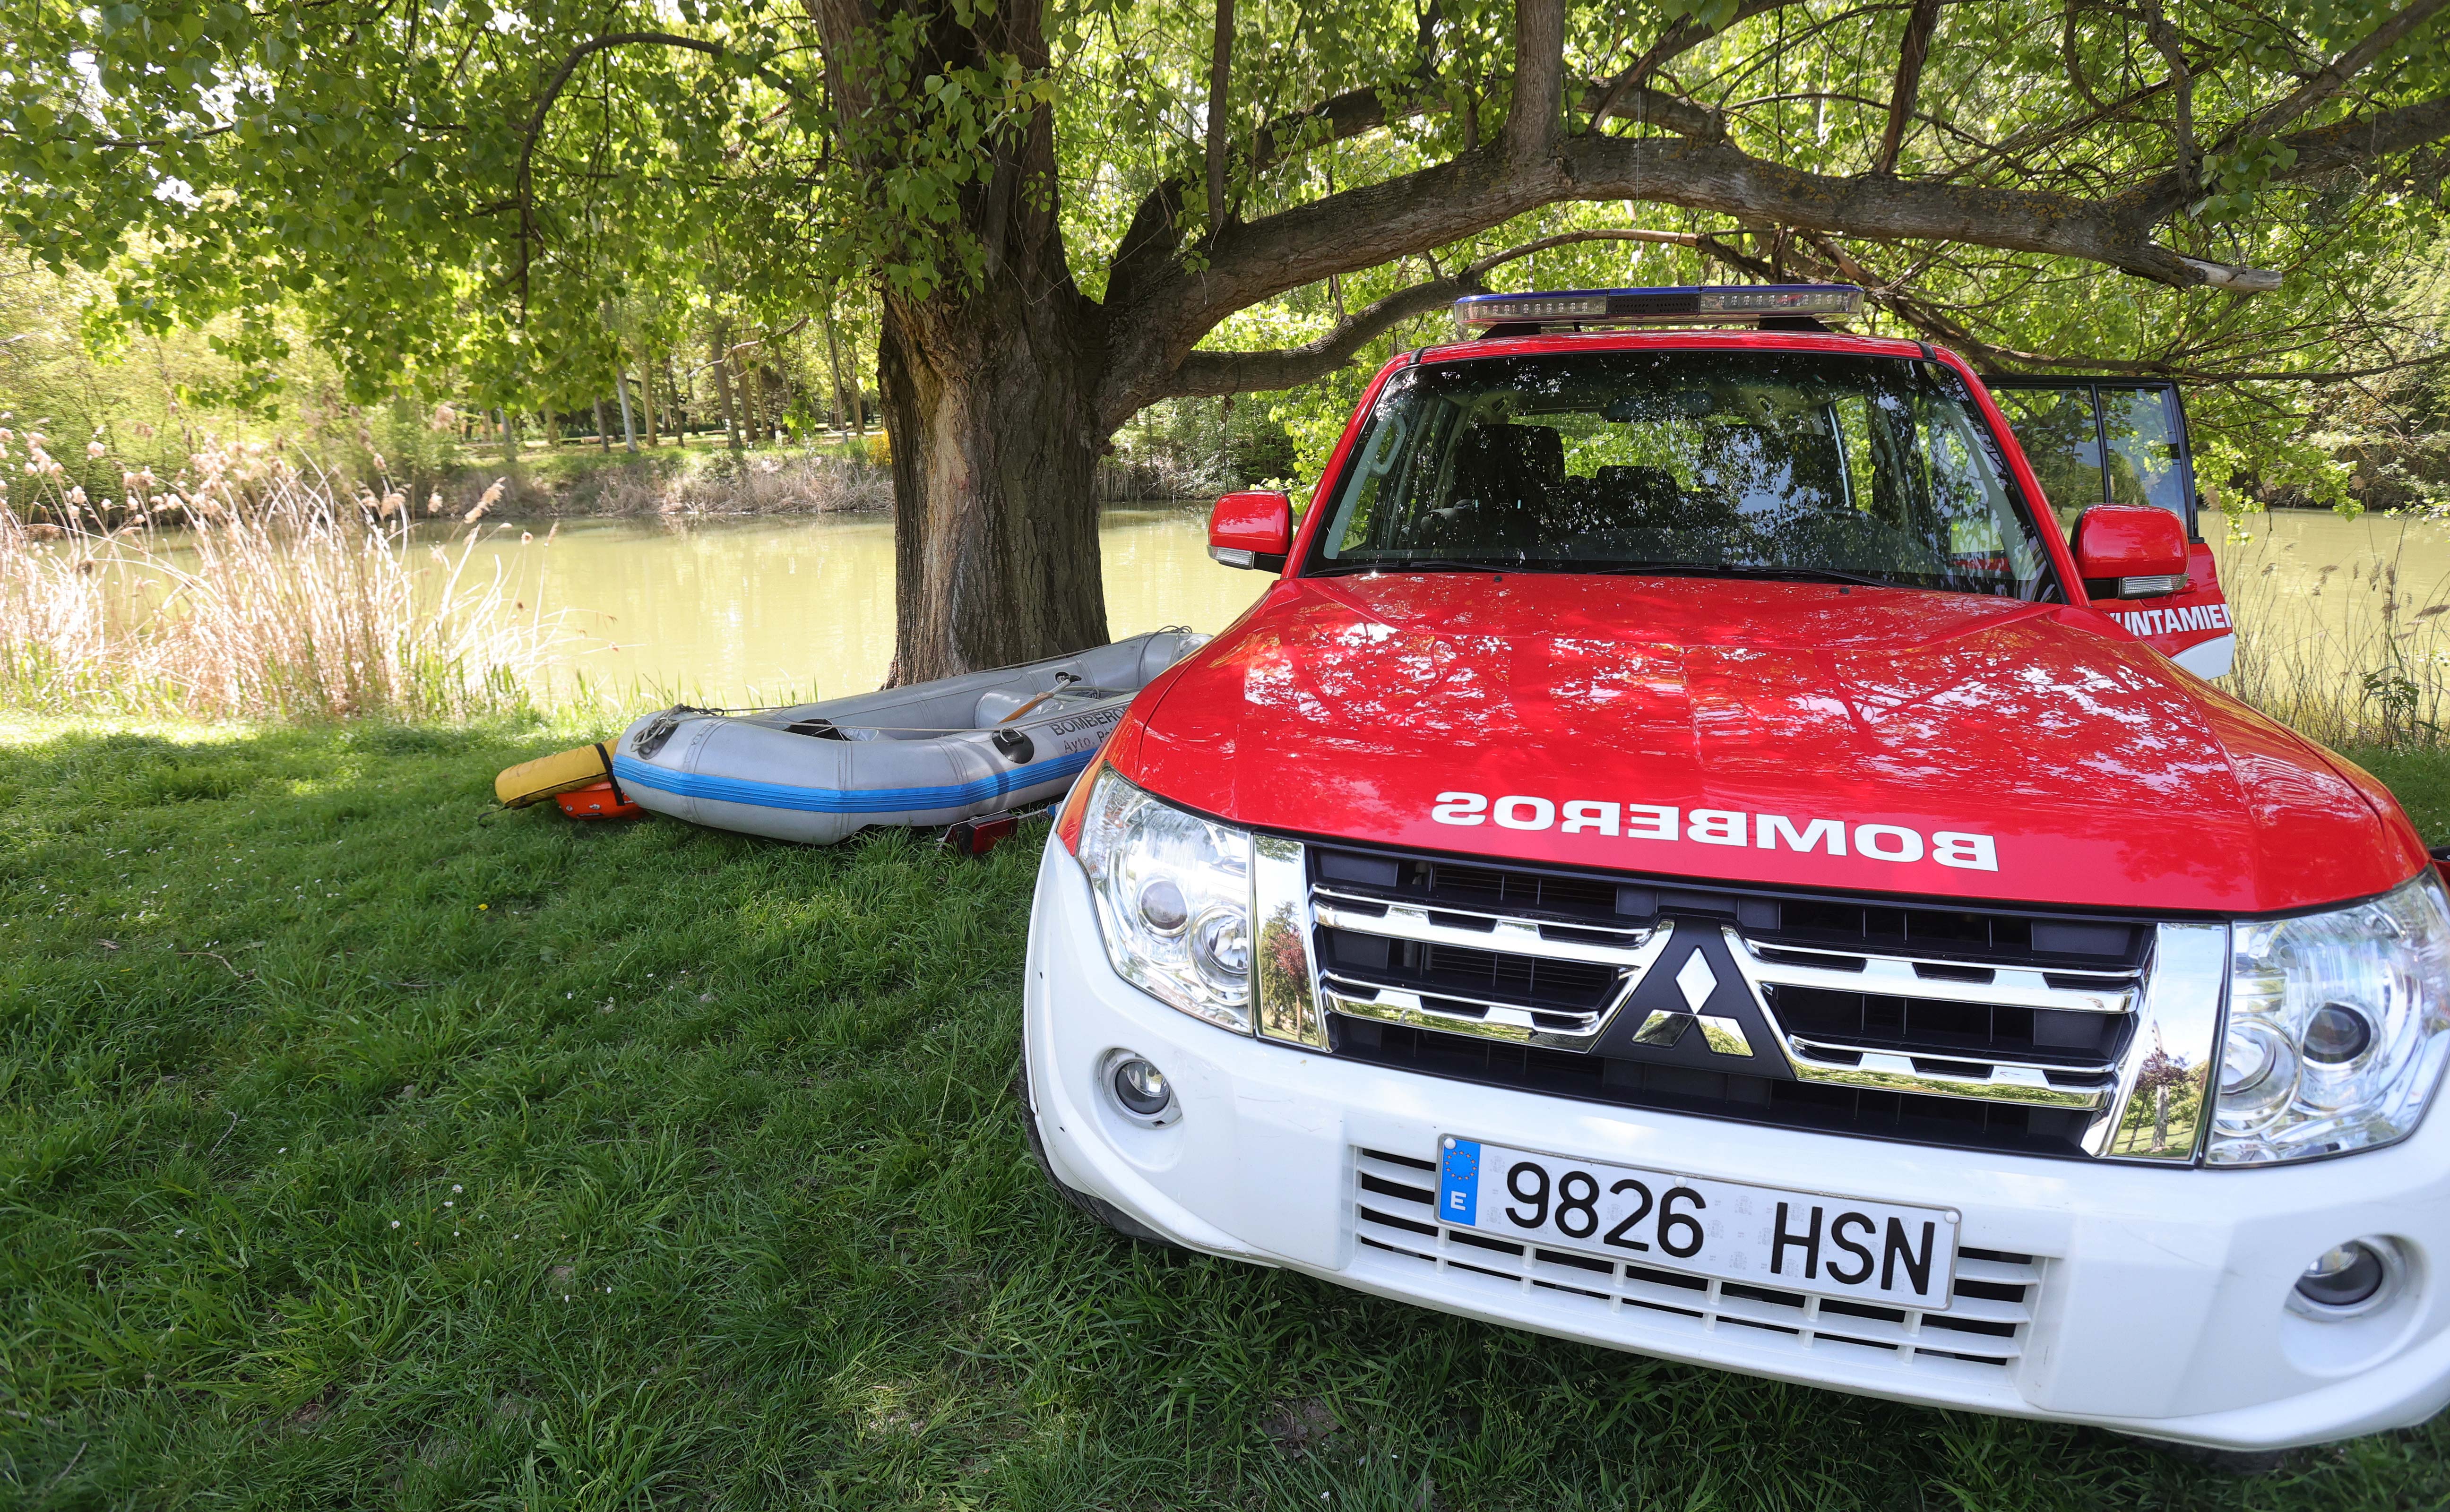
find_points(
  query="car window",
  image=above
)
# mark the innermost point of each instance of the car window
(2144, 455)
(2062, 439)
(1796, 463)
(2062, 429)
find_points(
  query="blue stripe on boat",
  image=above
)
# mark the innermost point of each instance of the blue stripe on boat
(635, 773)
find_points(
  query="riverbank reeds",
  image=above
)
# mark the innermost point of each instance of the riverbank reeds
(2353, 652)
(250, 590)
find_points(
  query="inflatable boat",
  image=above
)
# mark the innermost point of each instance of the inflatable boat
(929, 753)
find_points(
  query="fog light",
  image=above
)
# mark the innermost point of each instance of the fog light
(2355, 1277)
(1139, 1089)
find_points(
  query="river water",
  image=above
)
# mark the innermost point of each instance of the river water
(779, 609)
(774, 609)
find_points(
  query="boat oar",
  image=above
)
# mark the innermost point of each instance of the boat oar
(1062, 681)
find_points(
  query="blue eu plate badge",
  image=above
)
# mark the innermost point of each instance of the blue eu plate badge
(1459, 1181)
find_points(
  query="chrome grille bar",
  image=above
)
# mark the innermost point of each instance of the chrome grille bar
(1902, 977)
(1507, 934)
(1933, 1073)
(1493, 1020)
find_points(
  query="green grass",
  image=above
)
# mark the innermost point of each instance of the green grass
(2421, 778)
(361, 1145)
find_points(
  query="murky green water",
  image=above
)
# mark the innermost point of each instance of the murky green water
(757, 611)
(770, 609)
(2343, 626)
(2315, 550)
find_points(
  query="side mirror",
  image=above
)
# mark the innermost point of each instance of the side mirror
(1252, 529)
(2126, 551)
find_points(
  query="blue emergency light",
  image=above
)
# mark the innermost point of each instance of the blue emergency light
(1689, 304)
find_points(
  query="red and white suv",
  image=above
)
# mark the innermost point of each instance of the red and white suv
(1686, 856)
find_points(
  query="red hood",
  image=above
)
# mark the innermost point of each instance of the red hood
(2100, 777)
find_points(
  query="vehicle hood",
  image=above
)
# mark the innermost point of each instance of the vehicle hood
(1377, 709)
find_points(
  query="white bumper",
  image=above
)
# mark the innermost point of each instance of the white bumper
(2158, 1298)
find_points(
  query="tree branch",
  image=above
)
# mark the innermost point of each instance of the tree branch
(2328, 79)
(2349, 144)
(1533, 115)
(1467, 194)
(524, 192)
(1453, 200)
(1207, 374)
(1912, 49)
(1357, 111)
(2164, 41)
(1935, 325)
(1160, 313)
(115, 143)
(2071, 50)
(1683, 37)
(1220, 71)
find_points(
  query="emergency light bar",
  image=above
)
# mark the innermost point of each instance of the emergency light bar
(1694, 304)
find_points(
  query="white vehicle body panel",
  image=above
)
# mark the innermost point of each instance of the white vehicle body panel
(2158, 1303)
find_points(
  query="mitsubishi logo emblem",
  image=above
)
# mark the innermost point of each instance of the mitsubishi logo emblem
(1665, 1026)
(1696, 980)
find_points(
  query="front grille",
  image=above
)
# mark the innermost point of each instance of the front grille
(1993, 1028)
(1981, 1334)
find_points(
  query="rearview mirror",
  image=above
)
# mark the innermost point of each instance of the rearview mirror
(2126, 551)
(1252, 529)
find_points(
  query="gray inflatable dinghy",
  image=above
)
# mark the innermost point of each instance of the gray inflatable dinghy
(930, 753)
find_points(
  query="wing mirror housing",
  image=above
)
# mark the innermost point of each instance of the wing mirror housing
(2128, 551)
(1253, 530)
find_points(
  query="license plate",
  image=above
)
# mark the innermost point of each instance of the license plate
(1793, 1241)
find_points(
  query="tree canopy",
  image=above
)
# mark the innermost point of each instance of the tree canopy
(1225, 197)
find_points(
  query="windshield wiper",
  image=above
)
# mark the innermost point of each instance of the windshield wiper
(1790, 575)
(1416, 564)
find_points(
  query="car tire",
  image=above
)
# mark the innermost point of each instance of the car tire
(2243, 1463)
(1096, 1207)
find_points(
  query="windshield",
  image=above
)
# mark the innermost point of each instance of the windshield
(1737, 463)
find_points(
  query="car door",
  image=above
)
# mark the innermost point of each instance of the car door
(2123, 442)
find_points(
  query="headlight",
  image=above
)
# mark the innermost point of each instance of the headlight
(2338, 1023)
(1174, 900)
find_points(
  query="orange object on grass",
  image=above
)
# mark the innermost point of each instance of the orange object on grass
(597, 801)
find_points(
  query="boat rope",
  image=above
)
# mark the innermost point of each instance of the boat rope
(680, 711)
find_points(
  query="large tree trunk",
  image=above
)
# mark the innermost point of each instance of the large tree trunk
(833, 361)
(995, 448)
(720, 344)
(647, 393)
(989, 383)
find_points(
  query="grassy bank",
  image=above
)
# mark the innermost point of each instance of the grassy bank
(698, 476)
(361, 1145)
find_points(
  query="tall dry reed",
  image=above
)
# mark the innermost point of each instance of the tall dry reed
(2349, 643)
(251, 589)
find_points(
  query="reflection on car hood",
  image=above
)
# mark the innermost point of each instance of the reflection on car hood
(1958, 746)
